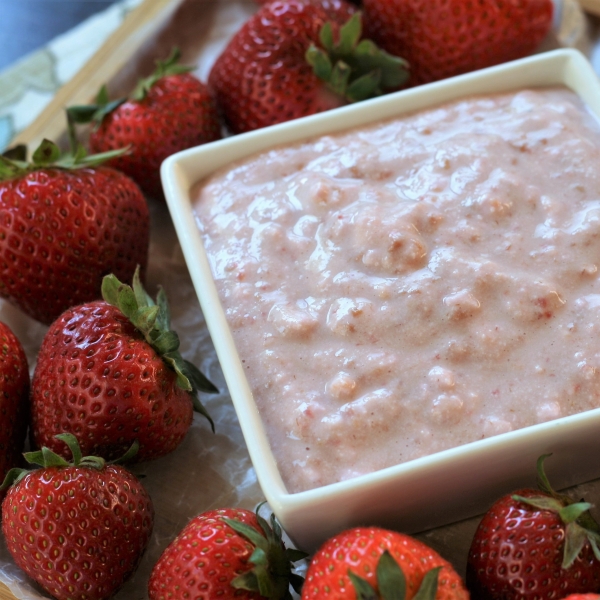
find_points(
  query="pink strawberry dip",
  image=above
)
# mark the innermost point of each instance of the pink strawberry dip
(415, 285)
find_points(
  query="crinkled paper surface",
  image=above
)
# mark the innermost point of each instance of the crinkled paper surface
(207, 471)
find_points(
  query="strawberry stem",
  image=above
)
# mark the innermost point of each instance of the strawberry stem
(103, 106)
(353, 68)
(13, 163)
(46, 458)
(391, 582)
(272, 574)
(580, 526)
(164, 68)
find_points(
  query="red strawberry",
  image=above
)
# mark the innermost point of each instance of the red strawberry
(225, 553)
(442, 38)
(167, 112)
(110, 372)
(369, 562)
(79, 529)
(14, 392)
(65, 222)
(534, 544)
(284, 63)
(582, 597)
(338, 10)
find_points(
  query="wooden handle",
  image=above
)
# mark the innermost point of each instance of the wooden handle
(5, 593)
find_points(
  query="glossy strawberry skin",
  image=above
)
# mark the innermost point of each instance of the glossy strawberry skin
(517, 553)
(77, 531)
(177, 113)
(62, 231)
(96, 377)
(359, 550)
(338, 10)
(14, 401)
(262, 77)
(204, 558)
(443, 38)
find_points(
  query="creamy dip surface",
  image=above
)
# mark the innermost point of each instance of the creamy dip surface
(415, 285)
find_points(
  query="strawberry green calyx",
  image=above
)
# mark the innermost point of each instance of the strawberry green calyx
(353, 68)
(47, 458)
(153, 320)
(13, 163)
(93, 113)
(580, 526)
(103, 106)
(391, 582)
(164, 68)
(272, 574)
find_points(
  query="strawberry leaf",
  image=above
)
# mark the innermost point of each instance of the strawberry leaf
(340, 75)
(391, 582)
(594, 539)
(164, 314)
(254, 537)
(294, 555)
(326, 37)
(541, 502)
(17, 153)
(349, 35)
(110, 289)
(542, 480)
(320, 62)
(575, 538)
(93, 113)
(572, 512)
(247, 581)
(46, 154)
(11, 168)
(259, 557)
(45, 458)
(13, 476)
(141, 296)
(364, 87)
(580, 525)
(81, 113)
(71, 441)
(390, 578)
(164, 68)
(271, 574)
(297, 582)
(49, 155)
(133, 450)
(364, 590)
(429, 585)
(102, 96)
(355, 69)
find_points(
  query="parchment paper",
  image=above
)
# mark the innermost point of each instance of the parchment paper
(211, 471)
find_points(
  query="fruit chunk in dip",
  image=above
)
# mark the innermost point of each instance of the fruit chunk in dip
(415, 285)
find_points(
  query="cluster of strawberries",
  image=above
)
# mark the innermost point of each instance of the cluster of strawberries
(109, 383)
(531, 544)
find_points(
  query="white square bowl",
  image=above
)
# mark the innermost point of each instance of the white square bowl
(432, 490)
